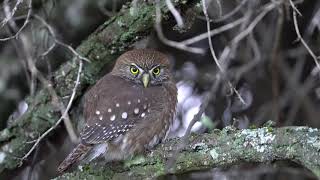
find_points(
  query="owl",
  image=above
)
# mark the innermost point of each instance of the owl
(128, 110)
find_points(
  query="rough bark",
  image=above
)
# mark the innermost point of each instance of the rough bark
(217, 149)
(102, 47)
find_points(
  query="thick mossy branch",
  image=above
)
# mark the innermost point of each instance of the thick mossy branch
(102, 47)
(217, 149)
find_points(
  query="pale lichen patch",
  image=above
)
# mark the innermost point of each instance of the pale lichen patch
(301, 128)
(259, 139)
(4, 133)
(80, 168)
(312, 130)
(214, 154)
(132, 11)
(2, 157)
(7, 148)
(314, 141)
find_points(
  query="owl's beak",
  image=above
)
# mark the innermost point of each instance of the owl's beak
(145, 80)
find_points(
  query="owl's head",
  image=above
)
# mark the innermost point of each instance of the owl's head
(143, 66)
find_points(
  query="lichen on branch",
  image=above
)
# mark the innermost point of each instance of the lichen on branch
(217, 149)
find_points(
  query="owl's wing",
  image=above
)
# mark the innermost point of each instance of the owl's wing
(112, 107)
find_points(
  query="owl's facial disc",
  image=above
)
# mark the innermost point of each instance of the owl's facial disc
(147, 76)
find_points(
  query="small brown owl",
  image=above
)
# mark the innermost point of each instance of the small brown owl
(128, 110)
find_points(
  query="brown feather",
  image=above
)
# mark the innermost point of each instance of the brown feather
(73, 157)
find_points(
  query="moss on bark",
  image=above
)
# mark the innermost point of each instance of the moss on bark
(217, 149)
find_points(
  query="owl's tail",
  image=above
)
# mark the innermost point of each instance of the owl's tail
(74, 156)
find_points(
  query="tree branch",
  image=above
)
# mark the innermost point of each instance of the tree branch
(218, 149)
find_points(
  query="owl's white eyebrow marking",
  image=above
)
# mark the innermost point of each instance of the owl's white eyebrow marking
(113, 117)
(109, 110)
(136, 110)
(129, 102)
(143, 114)
(140, 69)
(118, 105)
(97, 112)
(124, 115)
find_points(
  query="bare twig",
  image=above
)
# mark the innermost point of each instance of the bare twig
(56, 41)
(315, 22)
(274, 65)
(231, 13)
(204, 8)
(267, 8)
(168, 42)
(63, 116)
(9, 13)
(221, 69)
(175, 13)
(26, 21)
(213, 32)
(295, 22)
(64, 110)
(36, 74)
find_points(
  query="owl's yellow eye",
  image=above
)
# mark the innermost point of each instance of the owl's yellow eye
(134, 70)
(156, 71)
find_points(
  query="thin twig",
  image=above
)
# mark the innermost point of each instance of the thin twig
(63, 116)
(213, 32)
(26, 21)
(9, 14)
(204, 8)
(168, 42)
(35, 73)
(295, 22)
(175, 13)
(56, 41)
(231, 13)
(221, 69)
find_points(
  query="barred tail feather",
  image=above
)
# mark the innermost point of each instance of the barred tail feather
(73, 157)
